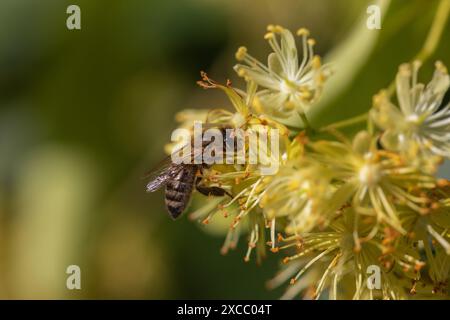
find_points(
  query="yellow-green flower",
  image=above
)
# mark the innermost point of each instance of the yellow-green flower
(430, 233)
(289, 85)
(373, 181)
(297, 193)
(332, 261)
(241, 117)
(420, 124)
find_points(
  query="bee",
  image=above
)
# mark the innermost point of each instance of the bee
(180, 180)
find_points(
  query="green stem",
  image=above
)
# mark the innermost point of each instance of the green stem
(346, 123)
(306, 125)
(435, 32)
(305, 121)
(433, 37)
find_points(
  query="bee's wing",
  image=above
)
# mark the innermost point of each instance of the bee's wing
(166, 170)
(159, 175)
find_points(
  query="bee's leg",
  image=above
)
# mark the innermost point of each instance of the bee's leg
(210, 191)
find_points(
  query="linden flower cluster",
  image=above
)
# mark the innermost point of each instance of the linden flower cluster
(339, 205)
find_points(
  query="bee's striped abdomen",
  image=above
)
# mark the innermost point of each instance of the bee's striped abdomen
(179, 190)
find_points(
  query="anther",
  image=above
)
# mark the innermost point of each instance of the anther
(269, 35)
(241, 72)
(440, 66)
(419, 265)
(316, 62)
(241, 53)
(311, 42)
(443, 183)
(405, 70)
(303, 32)
(417, 64)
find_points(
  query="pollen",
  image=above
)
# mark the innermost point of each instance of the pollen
(275, 28)
(306, 94)
(405, 70)
(441, 67)
(303, 32)
(269, 35)
(294, 184)
(241, 72)
(442, 183)
(241, 53)
(289, 105)
(316, 62)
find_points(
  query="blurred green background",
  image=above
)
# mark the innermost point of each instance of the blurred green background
(84, 113)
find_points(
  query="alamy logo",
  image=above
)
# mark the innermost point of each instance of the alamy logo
(73, 21)
(74, 279)
(257, 146)
(374, 278)
(374, 20)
